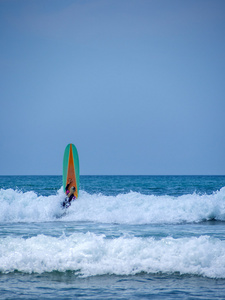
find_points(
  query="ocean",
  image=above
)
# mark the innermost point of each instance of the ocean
(125, 237)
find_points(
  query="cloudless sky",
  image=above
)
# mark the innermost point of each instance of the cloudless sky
(137, 85)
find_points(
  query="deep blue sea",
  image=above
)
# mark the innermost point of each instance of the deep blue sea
(125, 237)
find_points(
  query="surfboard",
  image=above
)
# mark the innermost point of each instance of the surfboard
(71, 171)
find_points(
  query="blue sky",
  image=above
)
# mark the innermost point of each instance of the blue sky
(136, 85)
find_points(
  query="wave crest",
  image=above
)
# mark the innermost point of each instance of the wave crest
(130, 208)
(90, 254)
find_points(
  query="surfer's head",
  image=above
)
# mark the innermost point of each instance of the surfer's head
(73, 189)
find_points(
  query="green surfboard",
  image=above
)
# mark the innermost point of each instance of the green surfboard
(71, 171)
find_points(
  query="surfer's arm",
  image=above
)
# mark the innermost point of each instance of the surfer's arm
(67, 191)
(67, 187)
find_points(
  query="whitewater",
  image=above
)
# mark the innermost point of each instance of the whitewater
(130, 208)
(119, 235)
(90, 254)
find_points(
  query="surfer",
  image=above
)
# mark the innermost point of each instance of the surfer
(70, 195)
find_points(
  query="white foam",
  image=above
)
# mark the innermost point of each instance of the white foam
(136, 208)
(17, 206)
(89, 254)
(131, 208)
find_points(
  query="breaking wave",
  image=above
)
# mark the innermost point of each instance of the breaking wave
(88, 254)
(130, 208)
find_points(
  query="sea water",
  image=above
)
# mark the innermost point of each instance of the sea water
(125, 237)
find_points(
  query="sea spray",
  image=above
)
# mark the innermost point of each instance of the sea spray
(129, 208)
(17, 206)
(90, 254)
